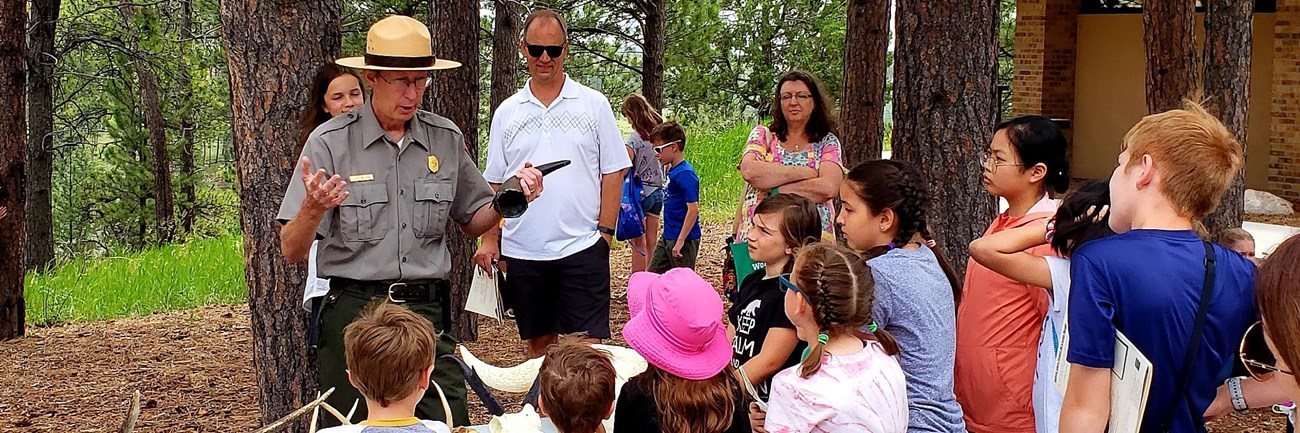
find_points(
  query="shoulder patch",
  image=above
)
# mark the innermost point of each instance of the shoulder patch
(437, 121)
(338, 122)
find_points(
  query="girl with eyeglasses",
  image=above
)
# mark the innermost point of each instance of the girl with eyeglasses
(999, 320)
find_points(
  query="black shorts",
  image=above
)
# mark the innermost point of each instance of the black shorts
(561, 296)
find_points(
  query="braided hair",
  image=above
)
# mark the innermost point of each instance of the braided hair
(896, 185)
(838, 285)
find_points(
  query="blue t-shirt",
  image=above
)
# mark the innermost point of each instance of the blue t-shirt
(1147, 284)
(683, 187)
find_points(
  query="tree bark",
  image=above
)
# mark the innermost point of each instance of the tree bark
(187, 122)
(454, 95)
(862, 104)
(1227, 89)
(945, 111)
(13, 146)
(163, 196)
(272, 52)
(41, 57)
(505, 51)
(1172, 63)
(652, 56)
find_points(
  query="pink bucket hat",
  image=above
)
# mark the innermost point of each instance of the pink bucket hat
(677, 323)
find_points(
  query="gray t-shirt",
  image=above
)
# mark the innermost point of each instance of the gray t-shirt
(645, 164)
(914, 304)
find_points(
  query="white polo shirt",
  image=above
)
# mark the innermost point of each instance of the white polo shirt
(578, 126)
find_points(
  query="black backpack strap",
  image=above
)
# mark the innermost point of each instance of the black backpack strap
(1194, 346)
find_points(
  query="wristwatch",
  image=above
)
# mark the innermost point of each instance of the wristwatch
(605, 230)
(1234, 391)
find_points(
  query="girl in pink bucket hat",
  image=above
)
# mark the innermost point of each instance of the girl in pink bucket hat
(849, 380)
(676, 326)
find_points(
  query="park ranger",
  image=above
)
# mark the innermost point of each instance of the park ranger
(388, 177)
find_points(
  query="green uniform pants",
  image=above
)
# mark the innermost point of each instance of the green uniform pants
(341, 308)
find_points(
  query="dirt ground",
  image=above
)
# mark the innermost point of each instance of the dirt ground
(194, 368)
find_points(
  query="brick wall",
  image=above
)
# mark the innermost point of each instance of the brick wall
(1046, 38)
(1284, 140)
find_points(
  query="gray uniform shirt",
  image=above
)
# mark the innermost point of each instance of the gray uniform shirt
(392, 226)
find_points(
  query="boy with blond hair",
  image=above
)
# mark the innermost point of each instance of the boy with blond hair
(577, 386)
(1150, 280)
(390, 352)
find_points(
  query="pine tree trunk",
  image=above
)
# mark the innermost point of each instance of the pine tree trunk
(1172, 63)
(505, 51)
(272, 52)
(945, 110)
(187, 123)
(652, 57)
(862, 104)
(454, 95)
(163, 196)
(13, 146)
(1227, 87)
(41, 57)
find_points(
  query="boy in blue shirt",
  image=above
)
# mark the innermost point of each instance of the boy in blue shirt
(680, 244)
(1147, 281)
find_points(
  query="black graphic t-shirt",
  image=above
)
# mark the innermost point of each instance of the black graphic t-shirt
(759, 307)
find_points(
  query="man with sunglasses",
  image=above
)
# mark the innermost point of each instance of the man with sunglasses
(378, 186)
(557, 254)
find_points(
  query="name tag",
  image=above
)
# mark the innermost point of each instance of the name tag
(361, 177)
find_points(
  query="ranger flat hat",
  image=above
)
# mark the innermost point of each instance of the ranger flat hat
(398, 43)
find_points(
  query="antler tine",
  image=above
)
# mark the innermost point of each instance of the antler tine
(335, 412)
(315, 416)
(296, 414)
(354, 409)
(133, 412)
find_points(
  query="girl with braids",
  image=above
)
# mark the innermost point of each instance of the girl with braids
(884, 215)
(1080, 219)
(1000, 320)
(849, 379)
(763, 340)
(644, 118)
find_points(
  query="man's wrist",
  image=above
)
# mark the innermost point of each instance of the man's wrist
(605, 230)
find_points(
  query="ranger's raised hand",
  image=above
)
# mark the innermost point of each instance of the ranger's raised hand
(324, 192)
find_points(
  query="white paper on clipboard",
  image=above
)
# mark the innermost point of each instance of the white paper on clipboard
(1130, 383)
(485, 296)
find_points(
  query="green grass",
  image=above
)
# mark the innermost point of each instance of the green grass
(175, 277)
(714, 151)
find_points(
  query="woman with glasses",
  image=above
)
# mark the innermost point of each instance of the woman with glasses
(1271, 348)
(999, 320)
(797, 153)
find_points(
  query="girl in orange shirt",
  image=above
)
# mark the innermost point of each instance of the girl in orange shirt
(999, 320)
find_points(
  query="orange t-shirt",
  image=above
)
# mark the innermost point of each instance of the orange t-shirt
(998, 326)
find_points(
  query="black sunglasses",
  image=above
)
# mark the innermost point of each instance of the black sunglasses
(551, 50)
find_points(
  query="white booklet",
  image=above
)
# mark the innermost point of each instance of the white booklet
(1130, 383)
(485, 296)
